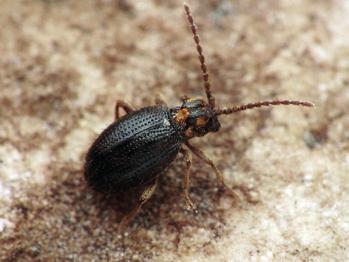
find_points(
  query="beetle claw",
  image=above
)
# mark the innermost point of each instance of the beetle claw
(191, 205)
(193, 209)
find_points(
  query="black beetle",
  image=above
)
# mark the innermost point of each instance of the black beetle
(138, 147)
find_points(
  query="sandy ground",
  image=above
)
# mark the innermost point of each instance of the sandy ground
(63, 65)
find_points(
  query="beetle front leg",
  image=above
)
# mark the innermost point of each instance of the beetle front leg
(144, 197)
(122, 104)
(186, 183)
(208, 161)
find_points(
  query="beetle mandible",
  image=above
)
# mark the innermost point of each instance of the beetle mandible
(137, 147)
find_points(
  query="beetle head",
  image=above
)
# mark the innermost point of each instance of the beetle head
(200, 116)
(197, 118)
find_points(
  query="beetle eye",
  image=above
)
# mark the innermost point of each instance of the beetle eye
(201, 121)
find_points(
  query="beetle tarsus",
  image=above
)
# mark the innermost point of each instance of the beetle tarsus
(219, 175)
(125, 221)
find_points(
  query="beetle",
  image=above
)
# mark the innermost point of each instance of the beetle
(138, 147)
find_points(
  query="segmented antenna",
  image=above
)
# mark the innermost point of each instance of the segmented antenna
(193, 27)
(227, 111)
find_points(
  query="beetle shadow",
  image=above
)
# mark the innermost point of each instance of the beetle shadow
(167, 207)
(65, 209)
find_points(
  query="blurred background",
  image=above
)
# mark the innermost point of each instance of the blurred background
(63, 65)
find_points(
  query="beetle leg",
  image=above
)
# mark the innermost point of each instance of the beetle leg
(159, 100)
(208, 161)
(122, 104)
(144, 197)
(186, 183)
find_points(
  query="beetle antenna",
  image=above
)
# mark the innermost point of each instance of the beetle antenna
(227, 111)
(193, 27)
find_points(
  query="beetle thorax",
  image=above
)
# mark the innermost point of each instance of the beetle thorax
(196, 118)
